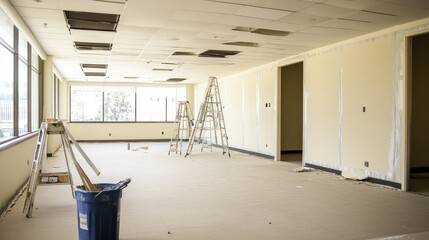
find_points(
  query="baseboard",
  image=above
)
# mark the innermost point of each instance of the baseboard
(291, 151)
(419, 170)
(370, 179)
(12, 200)
(125, 140)
(247, 152)
(325, 169)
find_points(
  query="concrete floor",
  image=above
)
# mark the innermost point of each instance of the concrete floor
(210, 196)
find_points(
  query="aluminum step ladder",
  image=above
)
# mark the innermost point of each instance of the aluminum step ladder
(210, 127)
(182, 127)
(53, 126)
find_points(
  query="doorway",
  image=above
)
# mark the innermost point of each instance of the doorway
(291, 112)
(418, 114)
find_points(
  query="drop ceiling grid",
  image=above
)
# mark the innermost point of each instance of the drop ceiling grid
(150, 31)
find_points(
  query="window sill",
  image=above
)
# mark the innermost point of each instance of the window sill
(16, 140)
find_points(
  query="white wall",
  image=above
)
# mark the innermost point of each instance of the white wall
(249, 123)
(15, 163)
(339, 80)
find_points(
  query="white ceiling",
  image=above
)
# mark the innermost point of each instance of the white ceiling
(149, 31)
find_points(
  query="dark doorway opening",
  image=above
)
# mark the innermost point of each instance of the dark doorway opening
(291, 112)
(418, 114)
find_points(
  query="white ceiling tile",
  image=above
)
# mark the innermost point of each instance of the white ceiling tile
(27, 12)
(263, 13)
(411, 3)
(400, 10)
(356, 5)
(290, 5)
(324, 10)
(346, 24)
(93, 6)
(304, 19)
(370, 17)
(47, 4)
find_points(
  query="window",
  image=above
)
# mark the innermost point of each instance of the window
(55, 96)
(6, 94)
(19, 83)
(125, 104)
(86, 104)
(119, 105)
(23, 98)
(35, 96)
(151, 104)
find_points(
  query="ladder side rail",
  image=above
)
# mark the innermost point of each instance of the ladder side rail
(85, 180)
(90, 163)
(35, 169)
(63, 140)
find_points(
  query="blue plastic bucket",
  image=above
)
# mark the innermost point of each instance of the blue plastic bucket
(98, 213)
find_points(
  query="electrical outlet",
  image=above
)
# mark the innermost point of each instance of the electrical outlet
(28, 162)
(366, 163)
(364, 109)
(162, 133)
(110, 134)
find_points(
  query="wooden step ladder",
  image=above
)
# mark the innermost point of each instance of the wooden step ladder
(182, 127)
(53, 126)
(210, 127)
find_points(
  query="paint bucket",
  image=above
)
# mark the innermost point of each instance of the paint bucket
(98, 213)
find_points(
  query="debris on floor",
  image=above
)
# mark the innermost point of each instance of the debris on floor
(354, 174)
(140, 149)
(303, 169)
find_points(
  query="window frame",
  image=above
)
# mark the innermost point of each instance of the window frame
(135, 88)
(26, 59)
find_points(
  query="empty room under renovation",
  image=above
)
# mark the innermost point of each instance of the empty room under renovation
(207, 119)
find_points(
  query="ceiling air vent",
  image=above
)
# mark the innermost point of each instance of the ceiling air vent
(162, 69)
(218, 53)
(95, 74)
(175, 79)
(131, 77)
(243, 44)
(91, 21)
(169, 63)
(262, 31)
(97, 66)
(184, 54)
(93, 46)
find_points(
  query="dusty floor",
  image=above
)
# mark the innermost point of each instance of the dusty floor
(209, 196)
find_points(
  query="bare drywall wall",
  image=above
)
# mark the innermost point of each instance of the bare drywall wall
(322, 104)
(54, 141)
(249, 108)
(292, 80)
(15, 163)
(367, 104)
(419, 155)
(120, 131)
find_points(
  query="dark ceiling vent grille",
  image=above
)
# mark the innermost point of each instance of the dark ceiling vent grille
(163, 69)
(184, 54)
(262, 31)
(131, 77)
(175, 79)
(98, 66)
(95, 74)
(243, 44)
(169, 63)
(91, 21)
(93, 46)
(218, 53)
